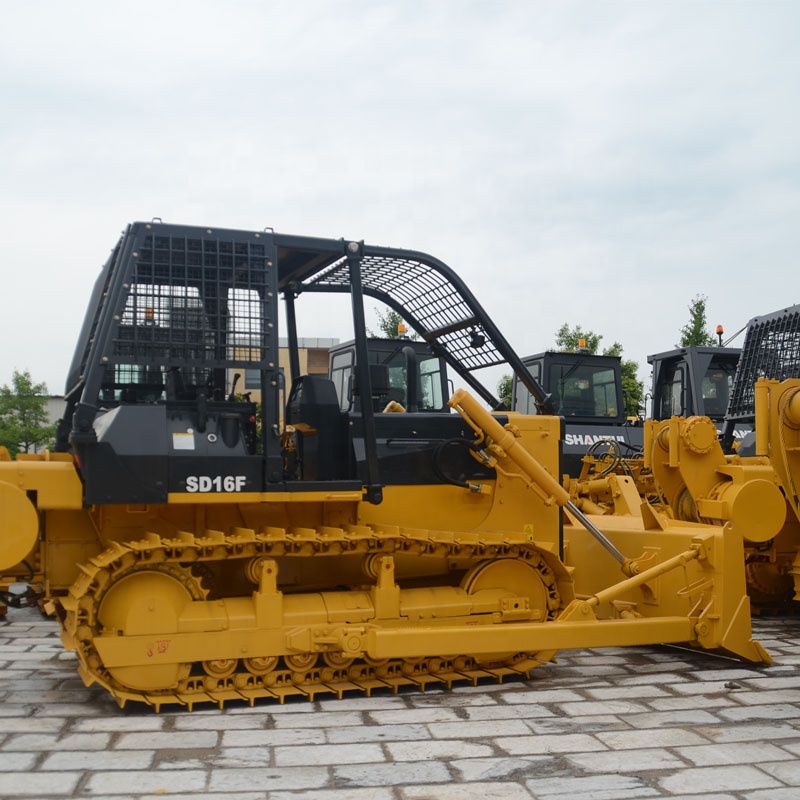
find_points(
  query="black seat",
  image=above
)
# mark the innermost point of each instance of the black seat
(321, 428)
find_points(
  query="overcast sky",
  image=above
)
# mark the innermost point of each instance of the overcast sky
(594, 162)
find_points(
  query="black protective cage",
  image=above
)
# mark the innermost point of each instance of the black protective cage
(176, 308)
(771, 350)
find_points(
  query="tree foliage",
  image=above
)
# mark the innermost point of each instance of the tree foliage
(695, 332)
(389, 322)
(568, 340)
(24, 425)
(505, 389)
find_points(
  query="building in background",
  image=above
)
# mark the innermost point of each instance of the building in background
(313, 361)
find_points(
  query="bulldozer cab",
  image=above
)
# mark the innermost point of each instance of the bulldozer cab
(580, 385)
(693, 381)
(152, 414)
(402, 371)
(586, 390)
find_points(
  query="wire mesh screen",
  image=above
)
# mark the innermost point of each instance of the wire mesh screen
(192, 303)
(771, 350)
(430, 298)
(197, 300)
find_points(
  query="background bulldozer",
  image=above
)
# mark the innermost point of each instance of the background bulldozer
(748, 483)
(197, 546)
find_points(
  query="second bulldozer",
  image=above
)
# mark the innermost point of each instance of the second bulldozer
(751, 486)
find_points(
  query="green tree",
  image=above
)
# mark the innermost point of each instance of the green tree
(568, 340)
(24, 425)
(389, 322)
(632, 387)
(504, 390)
(694, 332)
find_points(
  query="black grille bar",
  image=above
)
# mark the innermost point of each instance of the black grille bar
(771, 350)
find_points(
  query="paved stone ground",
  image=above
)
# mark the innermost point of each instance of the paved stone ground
(616, 724)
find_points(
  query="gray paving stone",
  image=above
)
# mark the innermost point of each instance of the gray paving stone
(587, 708)
(472, 791)
(118, 723)
(196, 796)
(787, 772)
(332, 754)
(695, 701)
(38, 785)
(371, 793)
(501, 769)
(680, 717)
(704, 796)
(414, 715)
(73, 710)
(239, 757)
(773, 794)
(541, 696)
(322, 719)
(377, 702)
(437, 750)
(754, 713)
(560, 743)
(221, 721)
(401, 774)
(749, 732)
(170, 740)
(156, 782)
(480, 729)
(735, 753)
(593, 724)
(273, 737)
(28, 724)
(527, 712)
(620, 761)
(17, 762)
(268, 779)
(52, 741)
(464, 696)
(768, 697)
(377, 733)
(791, 747)
(597, 787)
(670, 679)
(624, 693)
(737, 778)
(768, 682)
(658, 737)
(91, 760)
(728, 674)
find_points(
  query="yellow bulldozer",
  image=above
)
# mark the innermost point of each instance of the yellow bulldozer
(748, 483)
(199, 547)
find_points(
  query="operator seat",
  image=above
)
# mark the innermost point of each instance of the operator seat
(320, 428)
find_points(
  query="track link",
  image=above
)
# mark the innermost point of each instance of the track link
(184, 563)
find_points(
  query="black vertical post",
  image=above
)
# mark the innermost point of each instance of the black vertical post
(291, 329)
(354, 252)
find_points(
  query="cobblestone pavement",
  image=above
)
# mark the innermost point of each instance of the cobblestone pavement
(615, 724)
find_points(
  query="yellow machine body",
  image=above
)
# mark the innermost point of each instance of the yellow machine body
(346, 532)
(685, 474)
(270, 595)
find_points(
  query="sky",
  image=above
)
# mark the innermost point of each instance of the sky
(599, 163)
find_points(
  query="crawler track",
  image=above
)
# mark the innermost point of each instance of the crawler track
(137, 594)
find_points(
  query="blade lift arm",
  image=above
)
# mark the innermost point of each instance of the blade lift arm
(538, 478)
